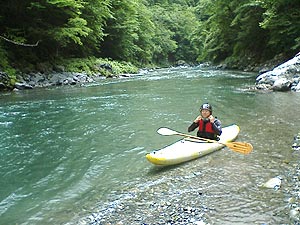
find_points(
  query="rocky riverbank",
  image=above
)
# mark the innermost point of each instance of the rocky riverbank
(35, 80)
(294, 179)
(285, 77)
(49, 75)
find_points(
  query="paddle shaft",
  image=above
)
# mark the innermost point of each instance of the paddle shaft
(199, 138)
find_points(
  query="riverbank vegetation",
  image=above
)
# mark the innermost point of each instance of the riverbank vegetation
(44, 35)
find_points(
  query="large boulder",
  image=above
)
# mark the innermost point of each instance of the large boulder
(281, 84)
(284, 77)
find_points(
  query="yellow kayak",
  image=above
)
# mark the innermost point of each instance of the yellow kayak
(188, 149)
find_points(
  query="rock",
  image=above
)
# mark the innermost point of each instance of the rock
(57, 79)
(22, 86)
(282, 84)
(181, 63)
(295, 214)
(273, 183)
(2, 86)
(284, 77)
(29, 81)
(38, 78)
(105, 66)
(296, 144)
(4, 81)
(296, 87)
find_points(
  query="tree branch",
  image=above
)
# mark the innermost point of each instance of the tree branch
(22, 44)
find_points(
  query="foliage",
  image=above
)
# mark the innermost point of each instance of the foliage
(59, 25)
(282, 20)
(129, 33)
(216, 32)
(145, 32)
(6, 67)
(250, 29)
(164, 45)
(92, 66)
(175, 25)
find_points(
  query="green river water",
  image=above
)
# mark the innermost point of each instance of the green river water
(66, 152)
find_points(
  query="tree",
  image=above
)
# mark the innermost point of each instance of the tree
(129, 32)
(60, 25)
(175, 25)
(216, 35)
(251, 39)
(247, 30)
(164, 44)
(282, 20)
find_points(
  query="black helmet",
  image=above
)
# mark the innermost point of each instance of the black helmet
(206, 106)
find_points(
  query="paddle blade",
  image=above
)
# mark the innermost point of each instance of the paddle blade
(166, 131)
(240, 147)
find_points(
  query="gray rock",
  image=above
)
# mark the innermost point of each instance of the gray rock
(281, 84)
(2, 86)
(296, 86)
(284, 77)
(22, 86)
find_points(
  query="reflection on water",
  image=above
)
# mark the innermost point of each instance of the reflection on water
(67, 152)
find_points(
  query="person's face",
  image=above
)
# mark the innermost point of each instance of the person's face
(205, 113)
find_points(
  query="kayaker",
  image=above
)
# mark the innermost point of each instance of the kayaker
(209, 126)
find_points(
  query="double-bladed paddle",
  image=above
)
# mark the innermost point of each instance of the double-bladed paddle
(240, 147)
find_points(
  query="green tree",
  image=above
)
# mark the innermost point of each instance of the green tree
(129, 32)
(59, 25)
(282, 20)
(216, 35)
(251, 39)
(175, 25)
(164, 44)
(247, 30)
(95, 12)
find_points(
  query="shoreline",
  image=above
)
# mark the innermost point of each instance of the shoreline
(271, 76)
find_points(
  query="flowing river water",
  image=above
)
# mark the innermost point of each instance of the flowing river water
(71, 153)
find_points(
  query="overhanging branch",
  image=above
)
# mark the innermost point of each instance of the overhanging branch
(18, 43)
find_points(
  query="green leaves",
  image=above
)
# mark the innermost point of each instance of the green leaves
(149, 31)
(75, 27)
(75, 5)
(251, 30)
(73, 30)
(282, 20)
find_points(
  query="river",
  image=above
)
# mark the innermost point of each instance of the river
(68, 152)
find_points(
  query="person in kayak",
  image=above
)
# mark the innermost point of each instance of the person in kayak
(209, 126)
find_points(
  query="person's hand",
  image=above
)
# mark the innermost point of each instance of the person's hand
(211, 118)
(198, 119)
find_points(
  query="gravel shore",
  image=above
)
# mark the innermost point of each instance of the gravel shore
(182, 207)
(162, 204)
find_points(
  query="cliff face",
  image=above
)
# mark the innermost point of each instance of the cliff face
(284, 77)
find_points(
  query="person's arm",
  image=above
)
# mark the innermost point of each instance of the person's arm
(217, 126)
(192, 127)
(195, 124)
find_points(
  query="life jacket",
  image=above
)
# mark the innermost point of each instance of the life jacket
(206, 130)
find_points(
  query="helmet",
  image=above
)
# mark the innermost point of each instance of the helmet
(206, 106)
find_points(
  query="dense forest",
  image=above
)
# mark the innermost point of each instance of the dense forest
(146, 32)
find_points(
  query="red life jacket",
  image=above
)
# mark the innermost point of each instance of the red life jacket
(206, 127)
